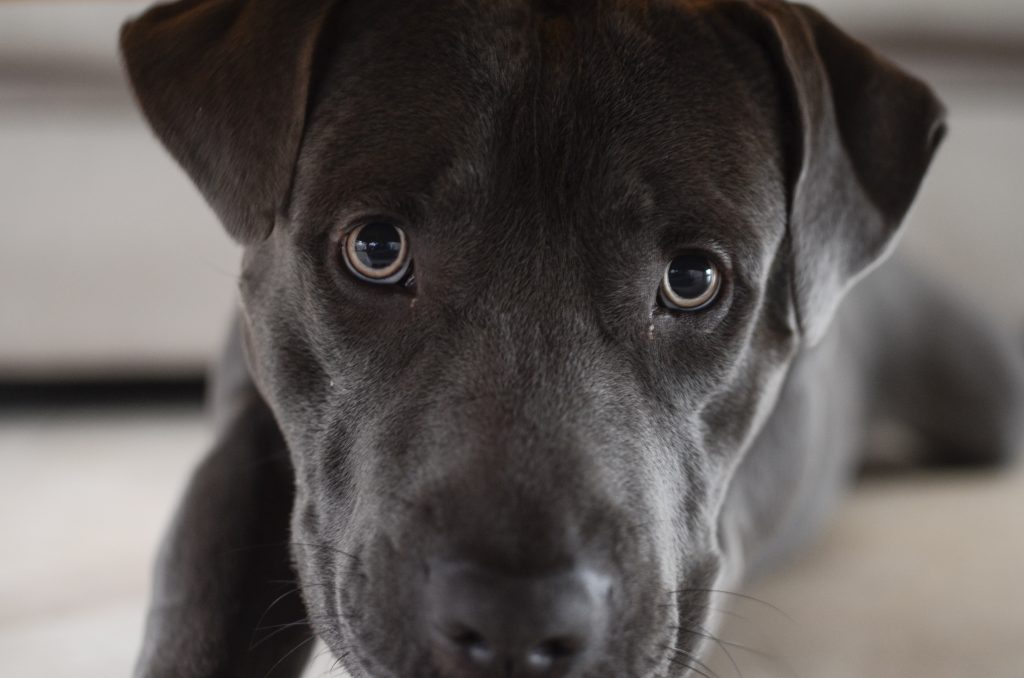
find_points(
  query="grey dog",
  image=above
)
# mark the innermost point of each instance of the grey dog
(541, 345)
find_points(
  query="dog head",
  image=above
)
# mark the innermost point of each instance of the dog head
(521, 282)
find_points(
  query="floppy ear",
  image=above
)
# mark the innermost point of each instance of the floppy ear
(224, 84)
(865, 132)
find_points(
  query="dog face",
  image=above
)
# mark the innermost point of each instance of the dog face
(474, 232)
(526, 404)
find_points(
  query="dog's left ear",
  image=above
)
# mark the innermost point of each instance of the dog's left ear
(225, 84)
(864, 134)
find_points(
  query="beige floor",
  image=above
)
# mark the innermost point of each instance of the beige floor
(919, 576)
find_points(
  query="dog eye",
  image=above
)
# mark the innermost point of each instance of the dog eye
(377, 252)
(691, 283)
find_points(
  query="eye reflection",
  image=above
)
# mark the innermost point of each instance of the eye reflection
(377, 252)
(691, 282)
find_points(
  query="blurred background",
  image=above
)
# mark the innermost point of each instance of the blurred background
(115, 288)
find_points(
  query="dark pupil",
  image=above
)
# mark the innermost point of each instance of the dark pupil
(378, 245)
(690, 276)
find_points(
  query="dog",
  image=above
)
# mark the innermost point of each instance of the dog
(541, 346)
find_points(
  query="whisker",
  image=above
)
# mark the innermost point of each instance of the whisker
(690, 657)
(289, 592)
(689, 667)
(290, 652)
(278, 544)
(326, 650)
(718, 641)
(336, 666)
(304, 620)
(732, 614)
(707, 606)
(742, 596)
(286, 625)
(278, 629)
(771, 657)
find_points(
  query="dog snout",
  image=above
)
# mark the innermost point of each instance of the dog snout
(480, 623)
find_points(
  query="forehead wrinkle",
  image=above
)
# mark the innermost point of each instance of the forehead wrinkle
(548, 155)
(538, 146)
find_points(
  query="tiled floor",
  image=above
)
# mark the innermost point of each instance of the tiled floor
(918, 577)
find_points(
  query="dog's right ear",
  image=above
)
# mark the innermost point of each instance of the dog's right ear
(225, 84)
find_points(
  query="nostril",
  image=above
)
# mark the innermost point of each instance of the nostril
(560, 647)
(464, 637)
(471, 643)
(544, 655)
(483, 623)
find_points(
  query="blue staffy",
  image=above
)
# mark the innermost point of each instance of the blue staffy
(541, 344)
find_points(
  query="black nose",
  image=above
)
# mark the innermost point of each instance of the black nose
(485, 625)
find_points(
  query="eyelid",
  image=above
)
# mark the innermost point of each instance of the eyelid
(354, 219)
(402, 210)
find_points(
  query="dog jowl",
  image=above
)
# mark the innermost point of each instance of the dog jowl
(522, 285)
